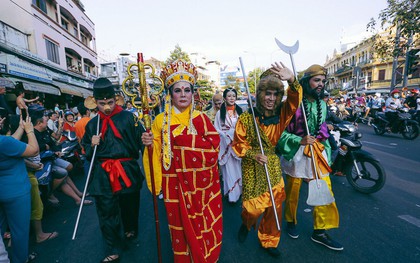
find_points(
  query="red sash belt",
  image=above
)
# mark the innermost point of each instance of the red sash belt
(115, 170)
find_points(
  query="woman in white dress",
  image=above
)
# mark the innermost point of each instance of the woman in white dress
(230, 164)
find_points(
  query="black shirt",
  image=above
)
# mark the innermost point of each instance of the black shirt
(44, 139)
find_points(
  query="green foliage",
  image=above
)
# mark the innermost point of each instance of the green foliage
(177, 53)
(413, 61)
(206, 90)
(405, 14)
(232, 81)
(254, 78)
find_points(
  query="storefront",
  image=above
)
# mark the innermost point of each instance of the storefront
(49, 85)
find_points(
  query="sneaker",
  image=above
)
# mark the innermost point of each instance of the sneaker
(291, 230)
(273, 251)
(325, 240)
(242, 233)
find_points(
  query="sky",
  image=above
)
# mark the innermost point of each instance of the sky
(225, 30)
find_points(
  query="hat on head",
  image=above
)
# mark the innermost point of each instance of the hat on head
(103, 89)
(177, 71)
(266, 73)
(395, 91)
(314, 70)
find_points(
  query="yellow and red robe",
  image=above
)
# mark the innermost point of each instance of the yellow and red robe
(191, 186)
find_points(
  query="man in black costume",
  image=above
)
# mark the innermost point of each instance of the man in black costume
(116, 177)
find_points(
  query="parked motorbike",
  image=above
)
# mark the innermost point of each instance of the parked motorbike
(405, 125)
(70, 146)
(363, 171)
(44, 176)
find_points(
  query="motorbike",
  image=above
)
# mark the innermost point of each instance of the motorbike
(70, 148)
(44, 176)
(363, 171)
(415, 115)
(405, 125)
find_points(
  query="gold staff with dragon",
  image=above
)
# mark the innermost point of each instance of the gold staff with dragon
(133, 91)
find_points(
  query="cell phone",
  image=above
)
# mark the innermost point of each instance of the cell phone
(24, 113)
(61, 114)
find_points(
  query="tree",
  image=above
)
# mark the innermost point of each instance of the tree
(402, 15)
(232, 82)
(206, 91)
(177, 53)
(254, 78)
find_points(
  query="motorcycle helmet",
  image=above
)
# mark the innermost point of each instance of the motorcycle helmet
(395, 91)
(67, 113)
(415, 91)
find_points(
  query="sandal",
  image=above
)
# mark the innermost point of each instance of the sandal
(7, 235)
(130, 235)
(32, 257)
(111, 258)
(52, 235)
(86, 202)
(53, 200)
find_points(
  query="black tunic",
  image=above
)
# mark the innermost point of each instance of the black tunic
(114, 148)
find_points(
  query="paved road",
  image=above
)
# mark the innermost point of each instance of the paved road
(382, 227)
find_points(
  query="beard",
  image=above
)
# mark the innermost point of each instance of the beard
(314, 93)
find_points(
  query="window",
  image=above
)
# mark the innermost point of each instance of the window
(381, 75)
(41, 4)
(68, 61)
(52, 51)
(84, 39)
(64, 23)
(87, 68)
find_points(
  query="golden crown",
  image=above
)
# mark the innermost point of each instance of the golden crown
(177, 71)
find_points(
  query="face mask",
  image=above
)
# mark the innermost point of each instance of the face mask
(396, 96)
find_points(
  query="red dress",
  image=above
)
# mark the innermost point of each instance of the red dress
(191, 190)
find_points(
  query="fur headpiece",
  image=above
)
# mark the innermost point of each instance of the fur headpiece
(268, 81)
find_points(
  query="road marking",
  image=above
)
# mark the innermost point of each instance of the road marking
(378, 144)
(411, 220)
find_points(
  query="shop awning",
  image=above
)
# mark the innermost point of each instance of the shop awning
(68, 89)
(38, 87)
(5, 82)
(86, 92)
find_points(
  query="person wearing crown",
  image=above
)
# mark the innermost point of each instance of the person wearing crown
(185, 153)
(116, 176)
(297, 164)
(272, 117)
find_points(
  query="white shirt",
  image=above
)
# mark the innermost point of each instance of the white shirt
(392, 104)
(51, 125)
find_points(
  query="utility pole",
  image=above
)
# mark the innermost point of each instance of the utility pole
(396, 55)
(357, 70)
(407, 59)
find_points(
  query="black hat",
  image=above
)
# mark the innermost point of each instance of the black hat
(103, 89)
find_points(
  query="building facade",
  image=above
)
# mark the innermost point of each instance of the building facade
(48, 47)
(359, 69)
